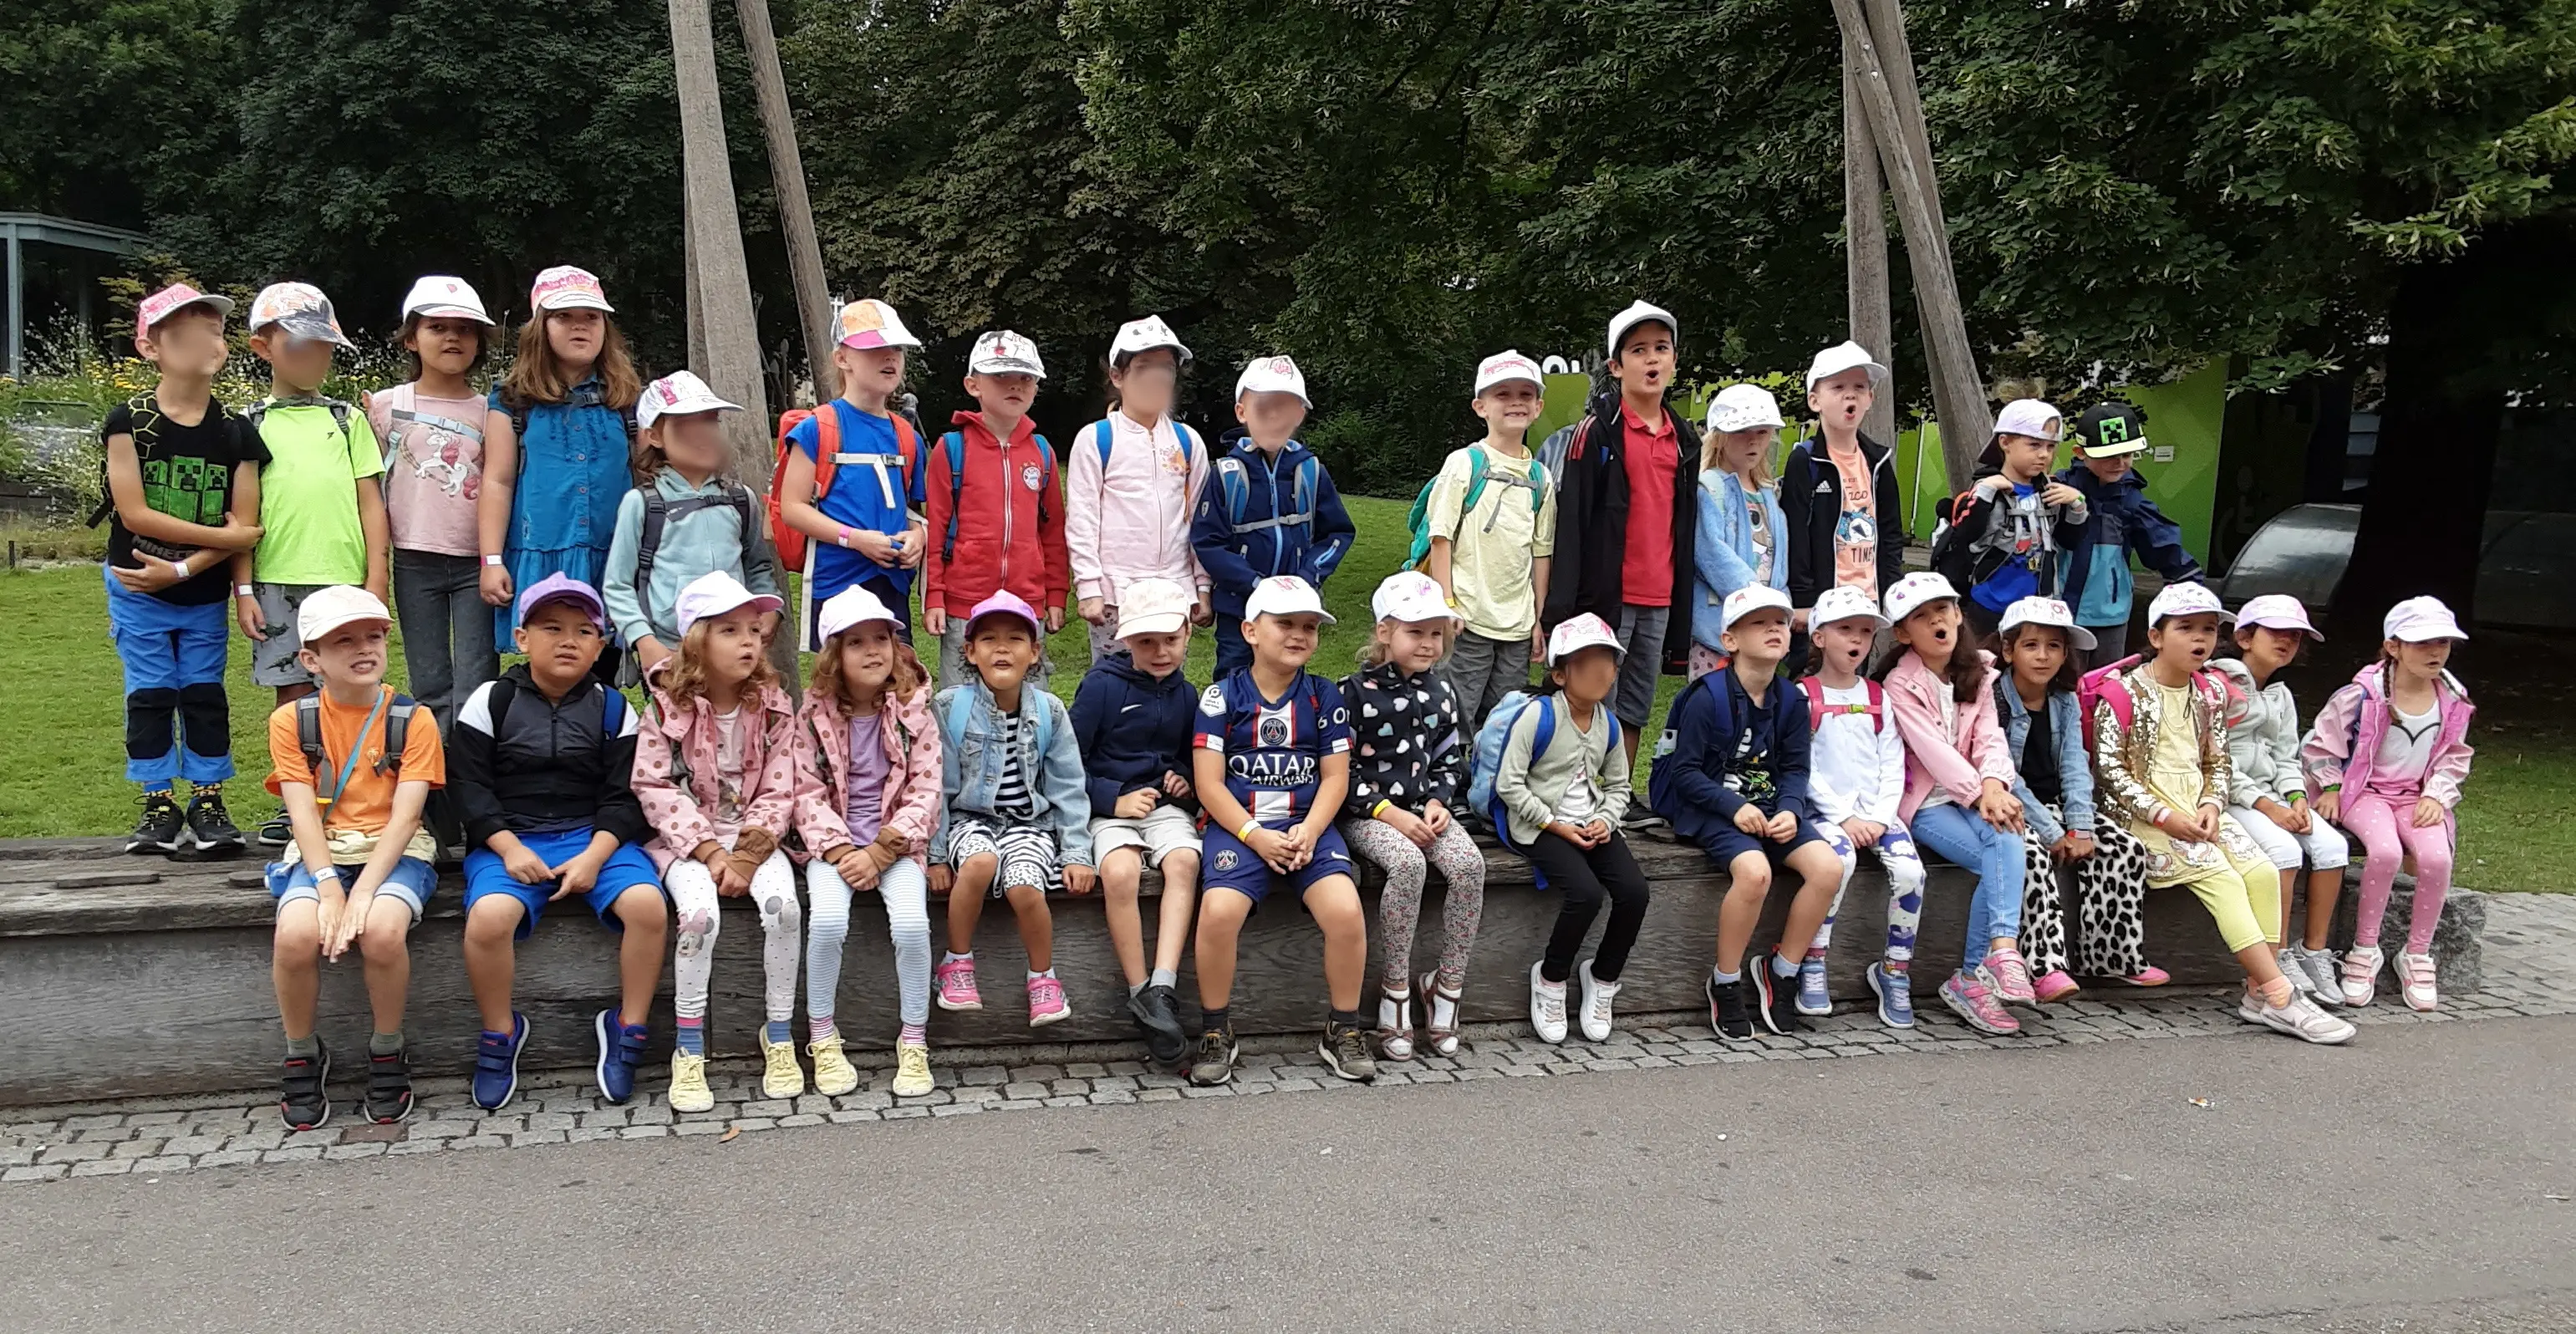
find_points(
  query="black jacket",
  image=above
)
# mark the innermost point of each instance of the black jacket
(539, 767)
(1811, 500)
(1132, 730)
(1592, 523)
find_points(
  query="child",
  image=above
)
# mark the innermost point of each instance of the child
(1832, 484)
(994, 505)
(2002, 538)
(353, 768)
(715, 770)
(1743, 541)
(178, 471)
(1958, 791)
(1855, 781)
(2385, 759)
(1407, 780)
(563, 420)
(1273, 764)
(2160, 755)
(2053, 779)
(870, 757)
(685, 519)
(1731, 775)
(1492, 558)
(1272, 509)
(1626, 542)
(543, 762)
(1131, 719)
(1015, 808)
(2120, 521)
(2268, 790)
(859, 529)
(1131, 484)
(433, 433)
(1561, 805)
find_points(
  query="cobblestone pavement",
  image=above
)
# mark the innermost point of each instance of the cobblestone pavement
(2530, 969)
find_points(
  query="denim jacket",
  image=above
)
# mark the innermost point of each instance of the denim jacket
(2074, 767)
(1725, 555)
(971, 761)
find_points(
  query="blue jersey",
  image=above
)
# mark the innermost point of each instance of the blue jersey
(876, 495)
(1274, 749)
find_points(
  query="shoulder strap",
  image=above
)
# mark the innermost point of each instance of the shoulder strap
(1475, 483)
(657, 513)
(1877, 704)
(742, 508)
(308, 736)
(953, 445)
(1545, 733)
(1189, 439)
(612, 713)
(497, 703)
(340, 418)
(1101, 439)
(1310, 471)
(397, 735)
(1814, 689)
(1232, 484)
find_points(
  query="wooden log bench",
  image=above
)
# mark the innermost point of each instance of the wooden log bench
(127, 976)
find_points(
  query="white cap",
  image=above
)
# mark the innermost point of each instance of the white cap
(566, 287)
(1144, 336)
(2045, 611)
(2030, 417)
(868, 322)
(1638, 312)
(1272, 375)
(1285, 595)
(1153, 607)
(328, 609)
(677, 394)
(1504, 368)
(1003, 352)
(1582, 632)
(439, 296)
(2276, 611)
(1913, 591)
(1743, 407)
(1844, 356)
(2421, 620)
(1842, 602)
(853, 605)
(2184, 600)
(1410, 595)
(715, 593)
(1751, 598)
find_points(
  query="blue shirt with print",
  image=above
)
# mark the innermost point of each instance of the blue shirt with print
(864, 496)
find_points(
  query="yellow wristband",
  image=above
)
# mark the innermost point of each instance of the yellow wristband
(1380, 808)
(1244, 835)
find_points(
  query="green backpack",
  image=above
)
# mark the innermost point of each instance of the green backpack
(1418, 519)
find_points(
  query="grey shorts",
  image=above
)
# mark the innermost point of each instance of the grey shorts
(1166, 829)
(1641, 634)
(272, 660)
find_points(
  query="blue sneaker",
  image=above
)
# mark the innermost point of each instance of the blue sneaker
(1812, 999)
(496, 1064)
(1895, 993)
(621, 1049)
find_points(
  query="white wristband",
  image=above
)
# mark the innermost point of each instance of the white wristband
(326, 873)
(182, 568)
(244, 591)
(491, 560)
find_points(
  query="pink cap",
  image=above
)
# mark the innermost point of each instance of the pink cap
(715, 593)
(170, 301)
(1004, 603)
(2276, 611)
(565, 287)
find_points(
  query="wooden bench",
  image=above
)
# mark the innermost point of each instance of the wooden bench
(132, 976)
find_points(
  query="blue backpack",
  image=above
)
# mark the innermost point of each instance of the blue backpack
(1235, 485)
(1101, 440)
(1490, 741)
(954, 445)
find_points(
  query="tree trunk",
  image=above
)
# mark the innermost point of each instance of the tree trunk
(795, 208)
(1865, 254)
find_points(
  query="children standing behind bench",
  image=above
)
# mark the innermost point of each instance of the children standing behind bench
(1131, 484)
(858, 526)
(1269, 509)
(1743, 540)
(433, 432)
(2003, 535)
(1844, 520)
(2120, 521)
(996, 506)
(1491, 524)
(353, 766)
(1132, 719)
(715, 770)
(685, 519)
(2268, 788)
(176, 470)
(1856, 783)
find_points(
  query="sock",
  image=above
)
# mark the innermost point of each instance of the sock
(158, 786)
(1035, 976)
(307, 1045)
(1163, 977)
(2277, 992)
(777, 1032)
(1724, 978)
(952, 956)
(384, 1044)
(820, 1028)
(1215, 1019)
(196, 790)
(1781, 967)
(917, 1035)
(1815, 955)
(1135, 989)
(1345, 1018)
(691, 1037)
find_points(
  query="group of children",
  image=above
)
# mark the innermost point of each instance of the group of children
(631, 557)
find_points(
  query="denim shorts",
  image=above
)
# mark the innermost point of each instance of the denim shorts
(411, 882)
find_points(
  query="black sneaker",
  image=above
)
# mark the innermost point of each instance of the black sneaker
(301, 1103)
(277, 833)
(1155, 1010)
(161, 827)
(1726, 1012)
(1779, 1002)
(388, 1087)
(1215, 1064)
(211, 828)
(1345, 1049)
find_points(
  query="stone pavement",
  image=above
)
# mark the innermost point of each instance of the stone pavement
(2530, 971)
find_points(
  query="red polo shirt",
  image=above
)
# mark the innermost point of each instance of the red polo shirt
(1646, 573)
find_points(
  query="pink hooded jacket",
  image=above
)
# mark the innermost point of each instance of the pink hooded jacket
(675, 773)
(1129, 519)
(2343, 743)
(1959, 757)
(910, 802)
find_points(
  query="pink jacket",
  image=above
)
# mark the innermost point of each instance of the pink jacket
(675, 773)
(2343, 743)
(1130, 519)
(1959, 757)
(911, 796)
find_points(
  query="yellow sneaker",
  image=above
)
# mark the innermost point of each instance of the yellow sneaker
(689, 1091)
(912, 1070)
(833, 1073)
(781, 1076)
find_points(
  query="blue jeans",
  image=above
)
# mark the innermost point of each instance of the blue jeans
(1968, 842)
(447, 628)
(174, 687)
(1231, 650)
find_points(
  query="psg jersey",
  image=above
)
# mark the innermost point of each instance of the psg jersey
(1274, 749)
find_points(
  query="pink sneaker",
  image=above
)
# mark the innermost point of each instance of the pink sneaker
(1046, 1001)
(955, 982)
(1971, 996)
(2415, 980)
(2012, 977)
(2149, 976)
(2054, 986)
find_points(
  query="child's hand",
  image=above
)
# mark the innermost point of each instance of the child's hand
(1437, 816)
(2059, 493)
(1412, 826)
(935, 620)
(1992, 485)
(526, 867)
(2278, 814)
(2330, 807)
(1273, 848)
(2428, 812)
(1174, 785)
(155, 575)
(1569, 833)
(858, 870)
(1997, 806)
(1135, 805)
(2177, 828)
(1538, 643)
(1054, 619)
(768, 626)
(1094, 610)
(1749, 818)
(730, 881)
(1596, 833)
(2072, 846)
(578, 874)
(912, 546)
(1078, 878)
(939, 877)
(2299, 812)
(496, 586)
(254, 622)
(1864, 833)
(1781, 827)
(327, 911)
(239, 536)
(2209, 818)
(1204, 614)
(875, 546)
(349, 924)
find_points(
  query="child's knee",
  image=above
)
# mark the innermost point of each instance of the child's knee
(1750, 874)
(1029, 901)
(388, 933)
(1334, 902)
(493, 919)
(1180, 867)
(780, 912)
(299, 932)
(979, 869)
(1224, 912)
(1819, 870)
(699, 926)
(641, 909)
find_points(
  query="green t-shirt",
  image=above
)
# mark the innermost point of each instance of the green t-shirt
(308, 495)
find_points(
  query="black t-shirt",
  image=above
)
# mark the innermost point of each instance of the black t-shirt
(187, 474)
(2039, 759)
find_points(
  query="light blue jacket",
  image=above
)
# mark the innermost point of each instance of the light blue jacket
(2074, 766)
(1724, 557)
(971, 761)
(705, 536)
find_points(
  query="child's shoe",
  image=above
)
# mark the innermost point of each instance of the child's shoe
(1547, 1006)
(2300, 980)
(1779, 1006)
(1046, 1001)
(1971, 996)
(2300, 1019)
(2360, 980)
(212, 835)
(2320, 968)
(621, 1049)
(161, 827)
(1813, 1000)
(302, 1102)
(954, 980)
(1345, 1049)
(2053, 986)
(496, 1064)
(689, 1091)
(780, 1075)
(1215, 1063)
(1894, 988)
(1395, 1024)
(1726, 1010)
(1597, 995)
(2011, 975)
(2415, 980)
(833, 1073)
(388, 1087)
(912, 1070)
(277, 832)
(1439, 1016)
(1157, 1011)
(2148, 976)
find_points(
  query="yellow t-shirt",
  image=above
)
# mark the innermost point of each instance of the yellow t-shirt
(357, 818)
(308, 495)
(1493, 549)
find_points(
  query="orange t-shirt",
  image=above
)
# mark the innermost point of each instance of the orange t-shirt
(358, 817)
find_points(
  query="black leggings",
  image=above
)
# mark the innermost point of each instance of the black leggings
(1582, 877)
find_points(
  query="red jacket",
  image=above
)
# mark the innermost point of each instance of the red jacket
(1009, 514)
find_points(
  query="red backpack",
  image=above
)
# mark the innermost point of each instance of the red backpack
(1814, 687)
(786, 537)
(2102, 686)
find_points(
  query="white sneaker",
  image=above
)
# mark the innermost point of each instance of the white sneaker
(2415, 980)
(2286, 959)
(1596, 1004)
(2319, 965)
(1547, 1007)
(2300, 1019)
(2360, 979)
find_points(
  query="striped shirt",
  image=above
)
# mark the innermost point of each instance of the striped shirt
(1012, 797)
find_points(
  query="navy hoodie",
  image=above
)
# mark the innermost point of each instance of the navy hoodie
(1132, 729)
(1700, 779)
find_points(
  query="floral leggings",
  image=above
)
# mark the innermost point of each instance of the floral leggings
(1399, 906)
(2111, 895)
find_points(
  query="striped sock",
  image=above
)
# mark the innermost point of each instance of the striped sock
(691, 1037)
(778, 1031)
(820, 1028)
(916, 1034)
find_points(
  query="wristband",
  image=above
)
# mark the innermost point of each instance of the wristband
(182, 568)
(1380, 808)
(844, 537)
(244, 591)
(326, 873)
(1244, 835)
(492, 561)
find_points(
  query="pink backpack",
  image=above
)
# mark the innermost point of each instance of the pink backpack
(1817, 708)
(2102, 685)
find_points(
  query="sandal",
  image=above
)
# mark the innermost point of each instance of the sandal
(1395, 1025)
(1443, 1041)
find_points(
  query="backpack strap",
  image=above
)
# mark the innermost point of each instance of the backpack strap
(1189, 440)
(1234, 488)
(953, 445)
(657, 514)
(1877, 704)
(397, 735)
(1100, 439)
(612, 713)
(308, 736)
(1814, 689)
